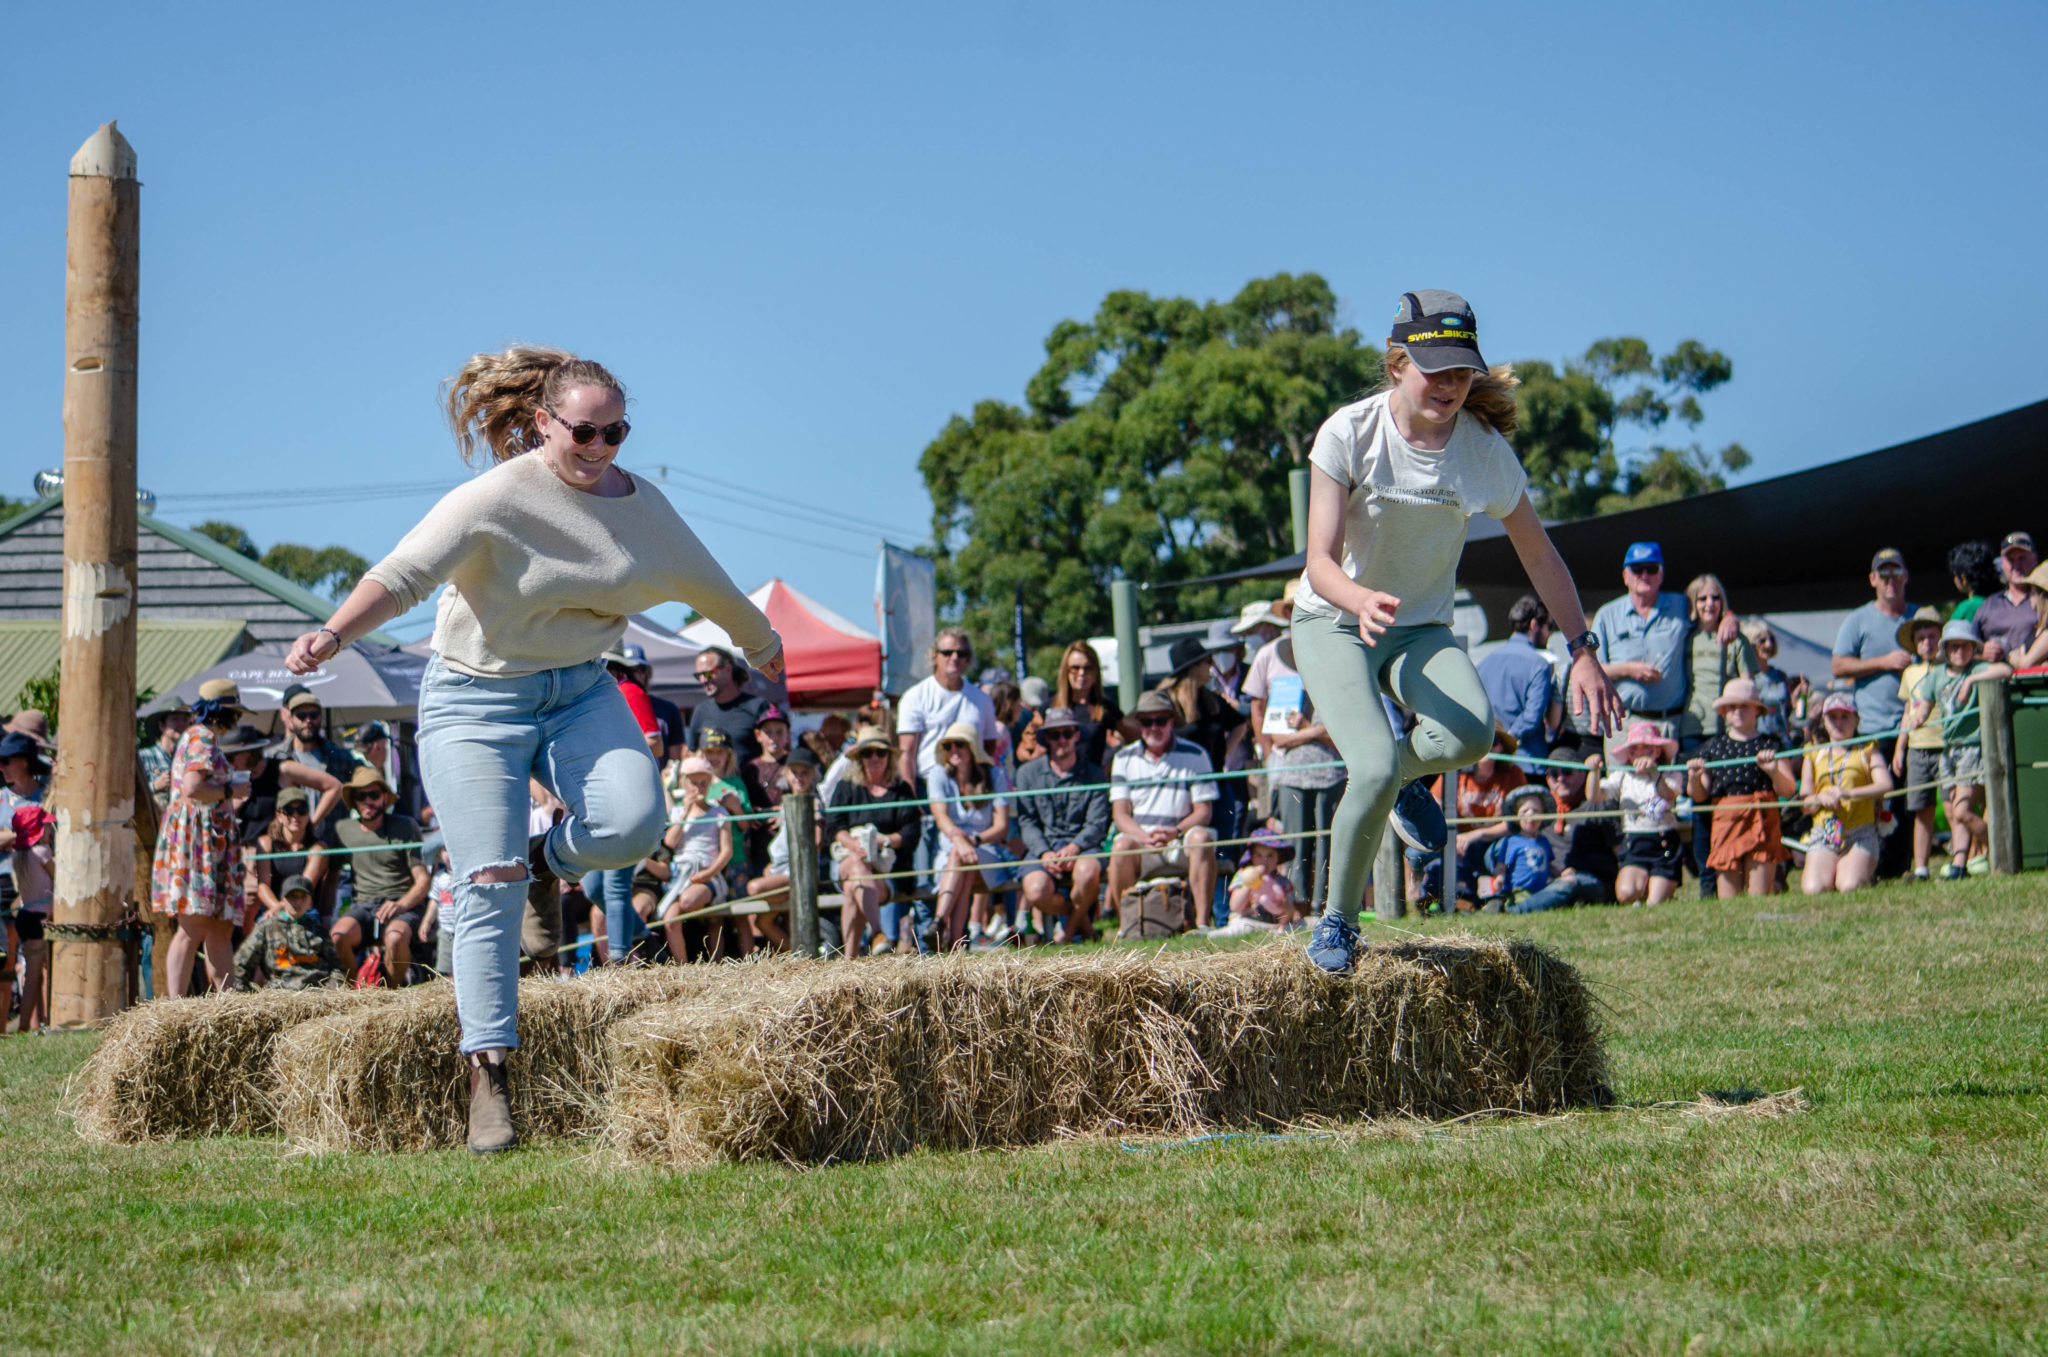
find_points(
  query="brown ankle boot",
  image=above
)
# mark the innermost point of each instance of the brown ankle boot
(490, 1107)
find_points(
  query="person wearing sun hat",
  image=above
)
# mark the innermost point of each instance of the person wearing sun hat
(1840, 783)
(974, 858)
(872, 821)
(1916, 757)
(391, 879)
(1394, 481)
(1652, 856)
(1948, 695)
(196, 877)
(1744, 792)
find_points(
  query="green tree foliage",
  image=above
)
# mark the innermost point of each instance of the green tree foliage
(40, 694)
(1570, 415)
(330, 570)
(230, 535)
(1153, 444)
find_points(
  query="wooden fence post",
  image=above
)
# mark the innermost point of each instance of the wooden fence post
(1389, 883)
(2001, 808)
(799, 829)
(92, 795)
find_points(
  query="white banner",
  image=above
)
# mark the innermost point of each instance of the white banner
(906, 615)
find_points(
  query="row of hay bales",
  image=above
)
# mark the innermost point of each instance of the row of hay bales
(812, 1063)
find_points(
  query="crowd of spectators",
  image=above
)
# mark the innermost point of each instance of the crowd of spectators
(981, 812)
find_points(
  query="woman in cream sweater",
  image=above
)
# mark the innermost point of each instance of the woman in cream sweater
(544, 555)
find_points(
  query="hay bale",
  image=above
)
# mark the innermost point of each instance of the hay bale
(195, 1067)
(866, 1061)
(391, 1078)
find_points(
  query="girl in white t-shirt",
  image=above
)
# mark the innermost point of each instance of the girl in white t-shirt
(703, 850)
(1394, 479)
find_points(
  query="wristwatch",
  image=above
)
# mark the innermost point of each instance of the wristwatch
(1585, 641)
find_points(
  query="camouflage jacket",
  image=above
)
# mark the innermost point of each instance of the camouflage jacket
(286, 953)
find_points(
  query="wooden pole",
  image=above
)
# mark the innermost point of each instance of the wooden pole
(1389, 884)
(2001, 805)
(799, 829)
(92, 796)
(1450, 857)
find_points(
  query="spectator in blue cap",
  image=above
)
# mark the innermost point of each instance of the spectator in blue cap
(1643, 638)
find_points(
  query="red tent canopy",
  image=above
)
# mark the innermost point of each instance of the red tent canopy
(832, 663)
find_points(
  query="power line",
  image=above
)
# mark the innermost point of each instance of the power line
(779, 502)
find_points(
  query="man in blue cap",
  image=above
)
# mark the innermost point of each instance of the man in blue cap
(1643, 636)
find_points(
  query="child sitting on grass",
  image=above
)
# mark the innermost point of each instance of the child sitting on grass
(1261, 896)
(1523, 860)
(1951, 692)
(1652, 858)
(1747, 842)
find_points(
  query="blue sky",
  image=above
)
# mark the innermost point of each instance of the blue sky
(806, 235)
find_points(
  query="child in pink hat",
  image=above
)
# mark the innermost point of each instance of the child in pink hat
(1747, 845)
(1652, 857)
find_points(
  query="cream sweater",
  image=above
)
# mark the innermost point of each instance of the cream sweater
(542, 576)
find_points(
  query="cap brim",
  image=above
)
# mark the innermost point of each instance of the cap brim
(1444, 357)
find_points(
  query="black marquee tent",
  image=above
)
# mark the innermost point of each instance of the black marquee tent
(1801, 542)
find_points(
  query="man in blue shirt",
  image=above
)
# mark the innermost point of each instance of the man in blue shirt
(1867, 648)
(1519, 679)
(1643, 638)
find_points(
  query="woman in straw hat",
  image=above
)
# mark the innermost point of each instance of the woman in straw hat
(1840, 784)
(868, 839)
(2036, 652)
(545, 555)
(1652, 855)
(1394, 481)
(1747, 846)
(976, 834)
(197, 875)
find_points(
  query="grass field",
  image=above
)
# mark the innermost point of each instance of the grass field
(1904, 1212)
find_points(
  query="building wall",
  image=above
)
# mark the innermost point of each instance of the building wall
(171, 583)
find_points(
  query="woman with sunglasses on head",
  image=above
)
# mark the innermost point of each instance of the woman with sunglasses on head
(544, 555)
(1394, 480)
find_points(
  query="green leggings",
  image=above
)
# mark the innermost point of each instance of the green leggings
(1425, 670)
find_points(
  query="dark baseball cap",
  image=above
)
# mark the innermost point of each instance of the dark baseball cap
(295, 885)
(2016, 541)
(1437, 330)
(1889, 556)
(801, 757)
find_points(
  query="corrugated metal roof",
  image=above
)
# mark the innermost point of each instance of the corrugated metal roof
(167, 652)
(288, 592)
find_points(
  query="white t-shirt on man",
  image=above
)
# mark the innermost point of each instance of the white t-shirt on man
(1405, 514)
(1173, 791)
(928, 711)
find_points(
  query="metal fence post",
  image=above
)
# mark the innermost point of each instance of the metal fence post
(799, 828)
(1450, 864)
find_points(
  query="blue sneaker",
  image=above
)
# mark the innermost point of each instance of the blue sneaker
(1418, 819)
(1331, 945)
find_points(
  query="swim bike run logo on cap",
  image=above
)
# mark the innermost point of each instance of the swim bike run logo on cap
(1457, 330)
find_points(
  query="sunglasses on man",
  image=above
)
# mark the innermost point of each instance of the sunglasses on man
(956, 654)
(1154, 722)
(1651, 569)
(582, 431)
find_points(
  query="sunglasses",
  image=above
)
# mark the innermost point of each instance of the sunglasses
(1154, 722)
(1646, 570)
(293, 810)
(874, 754)
(956, 654)
(1890, 571)
(1053, 736)
(1080, 667)
(311, 713)
(583, 431)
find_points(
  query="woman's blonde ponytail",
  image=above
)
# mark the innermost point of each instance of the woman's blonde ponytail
(1492, 398)
(491, 402)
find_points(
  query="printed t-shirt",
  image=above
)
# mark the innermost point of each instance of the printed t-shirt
(1847, 768)
(1927, 735)
(1172, 793)
(1743, 779)
(1645, 809)
(1483, 798)
(1870, 633)
(1955, 710)
(1525, 861)
(1405, 508)
(930, 709)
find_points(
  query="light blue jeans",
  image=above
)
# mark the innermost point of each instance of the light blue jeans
(480, 740)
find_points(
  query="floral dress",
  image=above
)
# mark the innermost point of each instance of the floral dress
(198, 867)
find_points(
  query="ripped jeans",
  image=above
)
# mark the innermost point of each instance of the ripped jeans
(480, 740)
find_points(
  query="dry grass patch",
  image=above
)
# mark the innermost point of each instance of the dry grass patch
(871, 1060)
